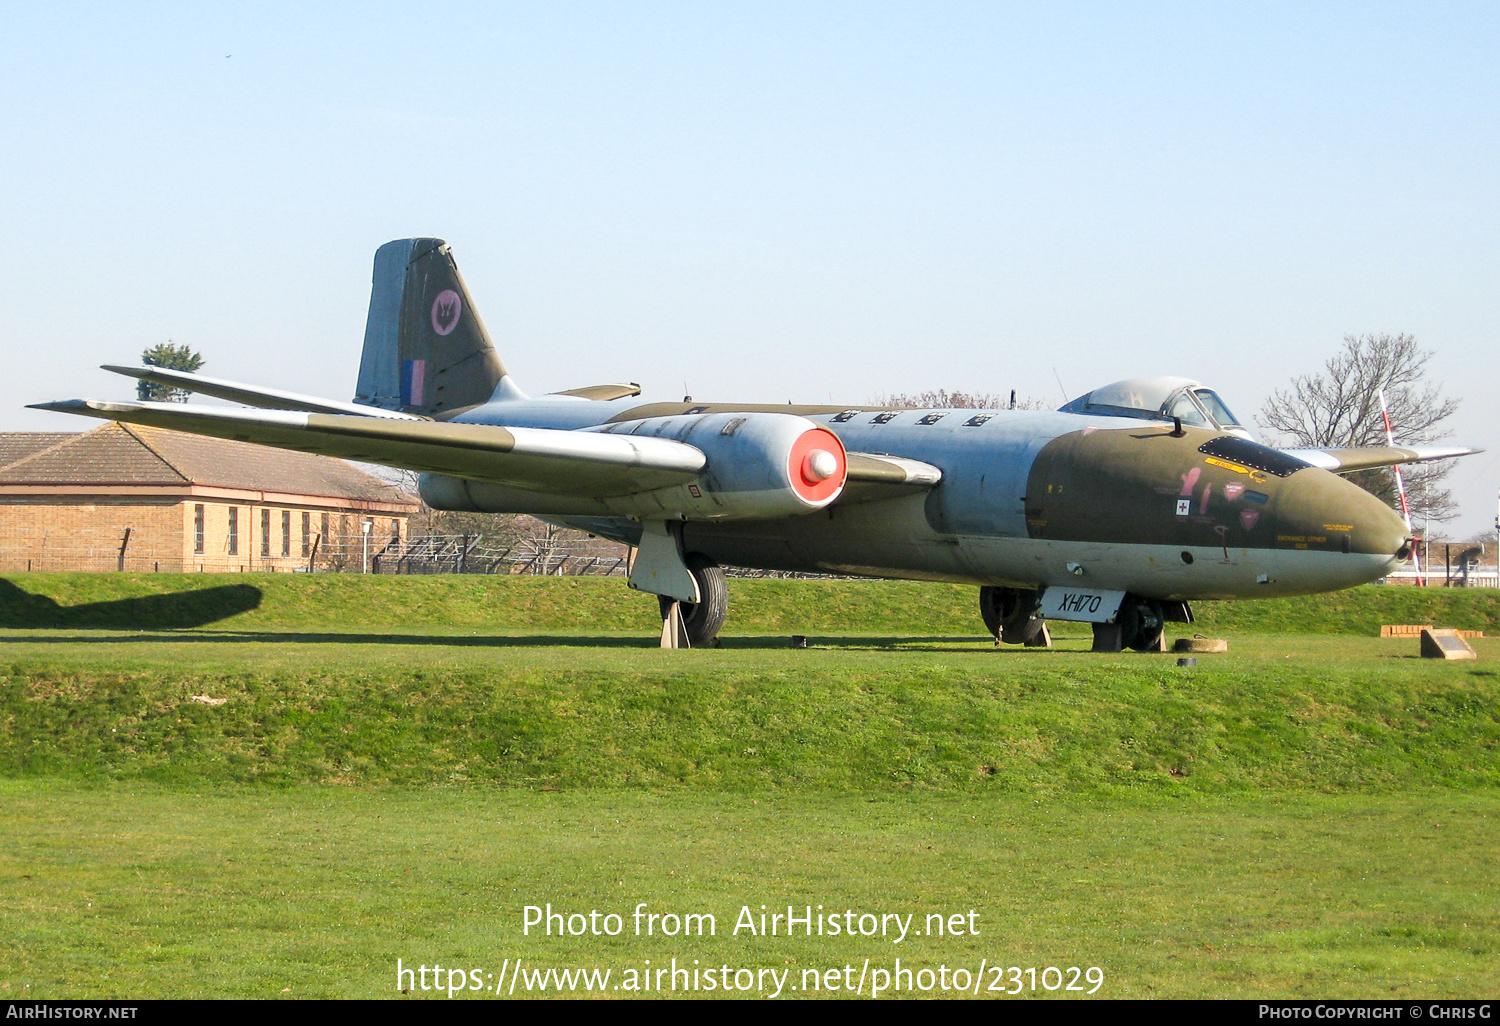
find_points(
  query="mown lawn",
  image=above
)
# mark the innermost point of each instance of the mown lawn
(231, 891)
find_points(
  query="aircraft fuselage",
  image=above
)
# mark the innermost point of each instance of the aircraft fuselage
(1027, 499)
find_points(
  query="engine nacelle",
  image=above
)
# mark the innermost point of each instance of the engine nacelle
(759, 466)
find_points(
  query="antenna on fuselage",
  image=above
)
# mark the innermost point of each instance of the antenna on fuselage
(1060, 388)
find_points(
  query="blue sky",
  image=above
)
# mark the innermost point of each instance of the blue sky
(761, 202)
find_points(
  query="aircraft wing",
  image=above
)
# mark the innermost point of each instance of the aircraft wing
(585, 463)
(560, 462)
(1370, 457)
(253, 395)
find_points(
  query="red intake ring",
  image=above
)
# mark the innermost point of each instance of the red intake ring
(817, 466)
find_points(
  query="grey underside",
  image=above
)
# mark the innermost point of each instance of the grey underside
(892, 539)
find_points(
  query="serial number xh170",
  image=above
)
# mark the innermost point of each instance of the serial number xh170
(1118, 509)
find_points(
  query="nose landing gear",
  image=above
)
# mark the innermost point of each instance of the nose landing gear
(1139, 625)
(1013, 615)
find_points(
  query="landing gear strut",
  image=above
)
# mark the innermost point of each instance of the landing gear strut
(1139, 625)
(1013, 616)
(701, 620)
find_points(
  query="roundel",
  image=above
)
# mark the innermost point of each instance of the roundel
(446, 309)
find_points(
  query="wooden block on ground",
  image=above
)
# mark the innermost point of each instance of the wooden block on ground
(1041, 639)
(1200, 645)
(1107, 638)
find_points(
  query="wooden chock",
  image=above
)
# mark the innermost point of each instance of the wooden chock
(1108, 637)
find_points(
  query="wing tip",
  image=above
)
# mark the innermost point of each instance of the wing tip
(61, 406)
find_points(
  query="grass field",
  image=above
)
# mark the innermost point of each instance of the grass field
(399, 765)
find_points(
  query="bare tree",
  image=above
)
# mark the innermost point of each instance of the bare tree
(942, 399)
(497, 528)
(1341, 407)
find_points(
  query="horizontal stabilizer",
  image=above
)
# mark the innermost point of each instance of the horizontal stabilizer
(252, 395)
(1371, 457)
(602, 392)
(580, 463)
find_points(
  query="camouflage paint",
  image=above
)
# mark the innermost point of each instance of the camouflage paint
(426, 350)
(1128, 486)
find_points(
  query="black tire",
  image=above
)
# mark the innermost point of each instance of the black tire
(1142, 624)
(704, 618)
(1010, 614)
(1022, 630)
(989, 609)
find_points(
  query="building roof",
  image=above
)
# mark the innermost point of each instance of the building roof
(16, 445)
(130, 454)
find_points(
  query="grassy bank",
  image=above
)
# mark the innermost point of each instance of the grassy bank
(858, 714)
(351, 602)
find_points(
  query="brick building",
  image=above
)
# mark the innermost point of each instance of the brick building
(125, 497)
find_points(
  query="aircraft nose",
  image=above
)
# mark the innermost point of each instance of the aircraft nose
(1320, 510)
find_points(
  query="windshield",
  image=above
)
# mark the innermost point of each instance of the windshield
(1216, 408)
(1187, 410)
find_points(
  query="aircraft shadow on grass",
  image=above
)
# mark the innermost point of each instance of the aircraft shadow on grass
(8, 619)
(20, 608)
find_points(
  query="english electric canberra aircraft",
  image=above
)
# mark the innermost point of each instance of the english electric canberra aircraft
(1117, 509)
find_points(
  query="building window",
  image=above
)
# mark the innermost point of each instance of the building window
(286, 532)
(306, 534)
(396, 531)
(198, 528)
(265, 532)
(234, 530)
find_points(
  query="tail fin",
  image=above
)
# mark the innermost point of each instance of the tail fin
(426, 350)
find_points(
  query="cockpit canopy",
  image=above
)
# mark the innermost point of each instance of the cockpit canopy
(1160, 399)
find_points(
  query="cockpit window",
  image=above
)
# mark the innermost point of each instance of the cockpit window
(1216, 408)
(1184, 408)
(1253, 455)
(1082, 405)
(1159, 399)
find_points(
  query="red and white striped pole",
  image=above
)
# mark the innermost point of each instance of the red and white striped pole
(1385, 415)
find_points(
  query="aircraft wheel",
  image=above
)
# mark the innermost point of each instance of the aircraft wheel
(1010, 613)
(989, 609)
(703, 619)
(1142, 624)
(1024, 630)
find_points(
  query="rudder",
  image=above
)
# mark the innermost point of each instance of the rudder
(426, 350)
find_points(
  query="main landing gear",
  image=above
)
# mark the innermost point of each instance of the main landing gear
(701, 620)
